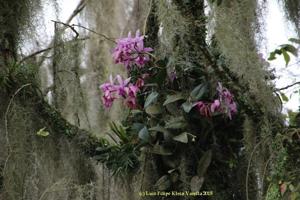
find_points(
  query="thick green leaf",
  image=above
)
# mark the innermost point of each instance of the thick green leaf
(272, 56)
(196, 183)
(153, 110)
(204, 163)
(290, 48)
(284, 97)
(295, 40)
(144, 134)
(135, 112)
(137, 127)
(187, 106)
(198, 91)
(182, 137)
(286, 57)
(161, 150)
(152, 98)
(173, 98)
(176, 123)
(163, 183)
(167, 135)
(42, 132)
(158, 128)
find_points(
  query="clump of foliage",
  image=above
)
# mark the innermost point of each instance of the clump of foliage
(164, 108)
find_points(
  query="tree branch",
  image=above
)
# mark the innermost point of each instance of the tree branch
(100, 34)
(287, 87)
(49, 48)
(68, 25)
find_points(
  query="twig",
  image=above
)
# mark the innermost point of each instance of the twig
(249, 164)
(265, 168)
(77, 10)
(146, 19)
(100, 34)
(288, 86)
(49, 48)
(6, 123)
(67, 25)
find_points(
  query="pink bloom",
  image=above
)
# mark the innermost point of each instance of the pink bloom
(227, 102)
(119, 88)
(172, 75)
(108, 100)
(122, 85)
(203, 108)
(215, 106)
(140, 83)
(131, 102)
(132, 90)
(131, 50)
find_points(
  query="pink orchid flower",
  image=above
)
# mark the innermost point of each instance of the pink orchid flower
(122, 85)
(215, 106)
(131, 50)
(203, 108)
(119, 88)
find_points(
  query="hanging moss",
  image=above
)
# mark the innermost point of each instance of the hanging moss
(292, 8)
(236, 28)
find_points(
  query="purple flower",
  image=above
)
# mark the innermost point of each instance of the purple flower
(172, 75)
(131, 50)
(227, 102)
(132, 90)
(131, 102)
(140, 83)
(203, 108)
(108, 99)
(119, 88)
(215, 106)
(122, 85)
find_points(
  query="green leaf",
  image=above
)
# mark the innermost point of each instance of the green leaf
(284, 97)
(204, 163)
(136, 112)
(163, 183)
(137, 127)
(272, 56)
(173, 98)
(153, 110)
(161, 150)
(295, 40)
(159, 128)
(289, 48)
(198, 91)
(286, 57)
(176, 123)
(183, 137)
(167, 135)
(42, 132)
(144, 134)
(152, 98)
(120, 131)
(196, 183)
(187, 106)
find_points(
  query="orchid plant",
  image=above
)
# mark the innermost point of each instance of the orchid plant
(153, 88)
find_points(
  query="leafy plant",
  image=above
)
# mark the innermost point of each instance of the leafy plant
(284, 50)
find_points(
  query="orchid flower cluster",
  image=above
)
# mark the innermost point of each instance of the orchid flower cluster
(129, 51)
(118, 88)
(223, 104)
